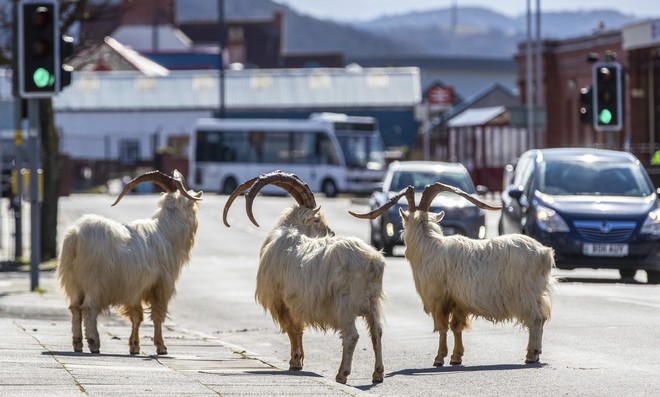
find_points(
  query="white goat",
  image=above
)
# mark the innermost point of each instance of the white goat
(309, 277)
(502, 279)
(105, 263)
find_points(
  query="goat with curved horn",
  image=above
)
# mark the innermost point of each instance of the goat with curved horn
(237, 192)
(408, 191)
(506, 278)
(142, 261)
(430, 191)
(167, 183)
(289, 182)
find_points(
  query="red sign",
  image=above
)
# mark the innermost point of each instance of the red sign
(443, 96)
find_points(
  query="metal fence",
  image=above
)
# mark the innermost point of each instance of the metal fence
(8, 249)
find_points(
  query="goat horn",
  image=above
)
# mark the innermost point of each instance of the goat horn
(164, 181)
(183, 186)
(408, 191)
(430, 191)
(289, 182)
(243, 187)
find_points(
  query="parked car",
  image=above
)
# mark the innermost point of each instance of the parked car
(596, 208)
(461, 216)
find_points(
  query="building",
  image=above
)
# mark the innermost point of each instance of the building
(112, 122)
(568, 67)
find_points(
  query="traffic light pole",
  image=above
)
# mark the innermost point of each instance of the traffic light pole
(35, 205)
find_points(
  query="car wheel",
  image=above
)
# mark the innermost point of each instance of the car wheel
(374, 238)
(627, 273)
(388, 249)
(329, 188)
(653, 277)
(229, 186)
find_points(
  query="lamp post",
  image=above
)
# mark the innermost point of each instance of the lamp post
(221, 49)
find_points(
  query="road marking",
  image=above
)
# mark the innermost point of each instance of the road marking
(634, 302)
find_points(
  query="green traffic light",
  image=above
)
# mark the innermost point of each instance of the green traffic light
(605, 116)
(43, 78)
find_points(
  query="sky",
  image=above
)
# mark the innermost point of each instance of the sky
(360, 10)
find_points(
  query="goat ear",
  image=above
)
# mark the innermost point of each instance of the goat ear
(437, 217)
(404, 214)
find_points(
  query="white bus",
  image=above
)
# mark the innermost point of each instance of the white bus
(227, 152)
(363, 149)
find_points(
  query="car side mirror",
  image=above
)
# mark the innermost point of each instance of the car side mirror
(515, 192)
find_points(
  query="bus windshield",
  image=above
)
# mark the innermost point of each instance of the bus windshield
(362, 151)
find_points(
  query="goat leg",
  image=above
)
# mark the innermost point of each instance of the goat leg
(76, 327)
(295, 333)
(376, 333)
(441, 320)
(535, 341)
(90, 313)
(459, 322)
(158, 314)
(136, 315)
(349, 337)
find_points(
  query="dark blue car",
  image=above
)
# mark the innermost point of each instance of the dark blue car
(596, 208)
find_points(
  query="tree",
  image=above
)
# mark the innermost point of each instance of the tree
(70, 12)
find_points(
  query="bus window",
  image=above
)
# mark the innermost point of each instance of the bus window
(276, 147)
(326, 153)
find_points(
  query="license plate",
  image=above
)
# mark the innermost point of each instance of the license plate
(605, 249)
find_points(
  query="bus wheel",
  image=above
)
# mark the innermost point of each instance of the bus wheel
(329, 188)
(229, 186)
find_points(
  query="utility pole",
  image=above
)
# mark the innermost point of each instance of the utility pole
(221, 49)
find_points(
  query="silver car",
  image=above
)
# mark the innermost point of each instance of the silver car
(461, 216)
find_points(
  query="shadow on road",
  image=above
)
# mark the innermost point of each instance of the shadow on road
(595, 280)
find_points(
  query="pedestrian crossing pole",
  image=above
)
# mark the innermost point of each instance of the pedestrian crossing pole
(35, 204)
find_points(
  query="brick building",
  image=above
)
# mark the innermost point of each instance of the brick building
(567, 67)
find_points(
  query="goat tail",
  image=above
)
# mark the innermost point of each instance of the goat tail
(65, 270)
(548, 291)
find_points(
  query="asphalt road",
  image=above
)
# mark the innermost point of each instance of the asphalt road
(601, 341)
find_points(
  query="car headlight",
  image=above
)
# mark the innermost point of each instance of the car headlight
(652, 223)
(549, 221)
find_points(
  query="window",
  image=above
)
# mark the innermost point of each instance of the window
(129, 151)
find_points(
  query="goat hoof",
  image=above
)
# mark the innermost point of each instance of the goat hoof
(438, 363)
(341, 379)
(161, 351)
(295, 368)
(459, 362)
(377, 377)
(533, 357)
(134, 351)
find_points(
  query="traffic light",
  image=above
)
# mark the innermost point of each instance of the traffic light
(586, 105)
(38, 49)
(607, 96)
(66, 50)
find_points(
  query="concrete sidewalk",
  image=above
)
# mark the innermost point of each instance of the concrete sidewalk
(36, 356)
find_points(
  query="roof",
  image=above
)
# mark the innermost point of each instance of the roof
(476, 117)
(437, 166)
(253, 89)
(111, 55)
(573, 153)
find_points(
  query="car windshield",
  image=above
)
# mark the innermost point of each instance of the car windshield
(593, 178)
(419, 179)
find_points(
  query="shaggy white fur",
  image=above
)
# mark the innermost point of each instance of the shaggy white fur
(105, 263)
(506, 278)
